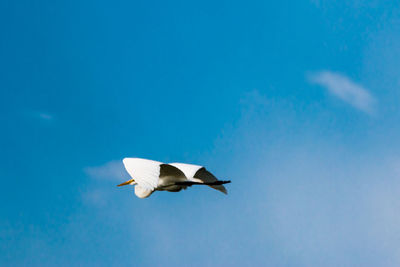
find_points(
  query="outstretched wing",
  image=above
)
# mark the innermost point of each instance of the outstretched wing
(188, 169)
(208, 177)
(196, 173)
(170, 175)
(145, 172)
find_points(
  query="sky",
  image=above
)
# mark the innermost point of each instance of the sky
(296, 102)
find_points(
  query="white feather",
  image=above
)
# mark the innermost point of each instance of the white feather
(145, 172)
(141, 192)
(188, 169)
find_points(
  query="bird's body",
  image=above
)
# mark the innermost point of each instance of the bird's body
(149, 176)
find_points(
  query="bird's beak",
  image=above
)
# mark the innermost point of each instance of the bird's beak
(131, 181)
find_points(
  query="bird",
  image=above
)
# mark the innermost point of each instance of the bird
(150, 175)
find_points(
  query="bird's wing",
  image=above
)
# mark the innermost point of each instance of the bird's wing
(188, 169)
(145, 172)
(208, 177)
(196, 173)
(170, 172)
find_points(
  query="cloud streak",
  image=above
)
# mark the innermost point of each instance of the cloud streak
(39, 115)
(45, 116)
(345, 89)
(104, 177)
(112, 171)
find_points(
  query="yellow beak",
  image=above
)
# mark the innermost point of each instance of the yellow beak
(127, 182)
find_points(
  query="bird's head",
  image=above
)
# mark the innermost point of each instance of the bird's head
(131, 181)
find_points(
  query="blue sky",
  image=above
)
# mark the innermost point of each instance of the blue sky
(296, 102)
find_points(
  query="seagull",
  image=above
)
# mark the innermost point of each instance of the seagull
(149, 176)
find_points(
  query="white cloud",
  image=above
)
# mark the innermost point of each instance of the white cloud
(39, 115)
(104, 178)
(315, 199)
(345, 89)
(45, 116)
(97, 197)
(112, 170)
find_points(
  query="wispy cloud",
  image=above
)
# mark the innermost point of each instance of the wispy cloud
(45, 116)
(112, 171)
(97, 197)
(104, 177)
(345, 89)
(39, 115)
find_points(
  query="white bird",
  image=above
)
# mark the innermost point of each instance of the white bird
(149, 176)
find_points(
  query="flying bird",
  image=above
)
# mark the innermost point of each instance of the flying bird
(149, 176)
